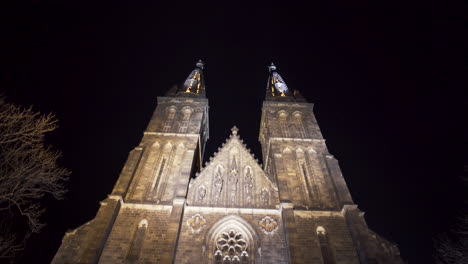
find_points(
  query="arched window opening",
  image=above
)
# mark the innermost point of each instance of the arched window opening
(298, 122)
(186, 114)
(324, 246)
(282, 121)
(171, 112)
(137, 242)
(160, 173)
(293, 131)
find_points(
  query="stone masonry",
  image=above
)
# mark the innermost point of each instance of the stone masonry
(167, 208)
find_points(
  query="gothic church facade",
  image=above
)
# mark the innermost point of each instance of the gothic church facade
(168, 208)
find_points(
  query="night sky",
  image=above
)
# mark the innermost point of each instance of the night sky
(385, 77)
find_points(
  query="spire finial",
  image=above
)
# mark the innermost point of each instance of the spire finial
(272, 67)
(234, 130)
(200, 64)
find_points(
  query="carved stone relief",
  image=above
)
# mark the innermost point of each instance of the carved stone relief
(201, 192)
(248, 185)
(265, 195)
(196, 223)
(218, 182)
(268, 225)
(233, 180)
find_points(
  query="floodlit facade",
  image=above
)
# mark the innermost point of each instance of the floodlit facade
(168, 208)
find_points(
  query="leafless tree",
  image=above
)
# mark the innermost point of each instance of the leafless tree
(452, 247)
(28, 172)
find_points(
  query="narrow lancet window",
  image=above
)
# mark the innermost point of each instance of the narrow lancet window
(171, 112)
(161, 170)
(137, 242)
(306, 177)
(282, 122)
(299, 124)
(324, 246)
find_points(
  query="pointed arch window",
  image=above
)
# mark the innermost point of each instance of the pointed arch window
(299, 124)
(283, 123)
(171, 112)
(324, 246)
(137, 242)
(161, 170)
(186, 114)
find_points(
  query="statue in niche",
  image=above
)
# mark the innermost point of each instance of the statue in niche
(201, 192)
(248, 185)
(265, 197)
(218, 183)
(233, 179)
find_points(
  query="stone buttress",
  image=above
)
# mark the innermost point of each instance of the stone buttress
(167, 208)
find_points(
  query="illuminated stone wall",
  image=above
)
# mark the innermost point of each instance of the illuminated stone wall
(167, 208)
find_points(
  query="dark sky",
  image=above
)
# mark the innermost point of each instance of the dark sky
(386, 78)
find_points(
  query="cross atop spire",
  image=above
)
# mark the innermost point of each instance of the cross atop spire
(272, 67)
(200, 64)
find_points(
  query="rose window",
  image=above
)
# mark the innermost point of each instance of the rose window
(231, 248)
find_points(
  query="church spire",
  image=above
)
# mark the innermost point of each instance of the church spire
(194, 85)
(276, 86)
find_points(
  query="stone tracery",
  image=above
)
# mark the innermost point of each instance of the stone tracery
(231, 247)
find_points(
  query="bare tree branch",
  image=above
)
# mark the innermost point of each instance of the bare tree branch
(452, 247)
(28, 172)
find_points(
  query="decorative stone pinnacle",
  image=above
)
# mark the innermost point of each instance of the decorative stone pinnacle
(234, 130)
(200, 64)
(272, 67)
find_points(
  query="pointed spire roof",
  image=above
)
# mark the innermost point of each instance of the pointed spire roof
(276, 85)
(193, 86)
(277, 88)
(195, 82)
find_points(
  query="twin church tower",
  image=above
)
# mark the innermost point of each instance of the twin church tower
(167, 208)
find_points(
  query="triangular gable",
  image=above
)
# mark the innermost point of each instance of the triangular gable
(233, 178)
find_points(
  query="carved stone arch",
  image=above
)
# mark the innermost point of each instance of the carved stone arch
(171, 112)
(242, 236)
(286, 150)
(143, 223)
(155, 145)
(297, 115)
(186, 112)
(167, 146)
(282, 114)
(300, 152)
(320, 230)
(312, 151)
